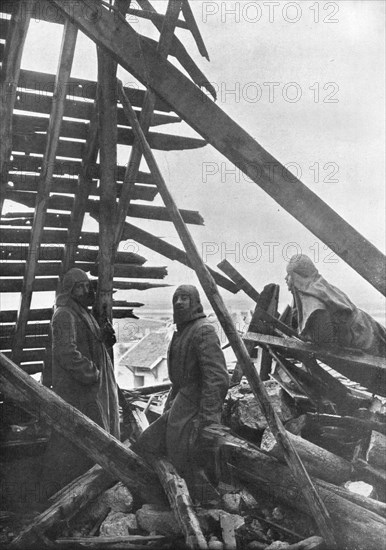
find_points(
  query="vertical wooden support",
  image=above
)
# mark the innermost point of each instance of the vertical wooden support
(107, 105)
(165, 41)
(44, 185)
(317, 508)
(9, 77)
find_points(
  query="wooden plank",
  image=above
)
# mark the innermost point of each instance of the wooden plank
(99, 445)
(133, 165)
(4, 27)
(78, 109)
(55, 237)
(50, 284)
(135, 272)
(10, 70)
(64, 69)
(22, 163)
(44, 83)
(140, 59)
(368, 370)
(58, 202)
(29, 136)
(318, 509)
(35, 330)
(43, 269)
(10, 316)
(30, 341)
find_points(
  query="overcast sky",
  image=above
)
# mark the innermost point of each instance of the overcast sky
(306, 80)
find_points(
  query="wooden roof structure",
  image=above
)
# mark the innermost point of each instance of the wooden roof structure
(42, 157)
(50, 165)
(59, 159)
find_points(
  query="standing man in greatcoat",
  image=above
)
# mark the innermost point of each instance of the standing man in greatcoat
(82, 374)
(200, 381)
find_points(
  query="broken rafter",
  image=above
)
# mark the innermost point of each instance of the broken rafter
(317, 508)
(138, 57)
(10, 71)
(132, 169)
(368, 370)
(65, 63)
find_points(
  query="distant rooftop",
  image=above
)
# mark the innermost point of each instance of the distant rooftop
(147, 352)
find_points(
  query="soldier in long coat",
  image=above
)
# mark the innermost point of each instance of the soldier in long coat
(200, 381)
(82, 374)
(325, 315)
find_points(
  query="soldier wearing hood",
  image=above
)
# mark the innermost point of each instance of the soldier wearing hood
(325, 315)
(200, 381)
(82, 374)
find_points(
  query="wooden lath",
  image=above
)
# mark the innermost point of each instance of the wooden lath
(65, 63)
(15, 32)
(137, 56)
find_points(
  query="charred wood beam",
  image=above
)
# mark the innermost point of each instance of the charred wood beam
(132, 169)
(368, 370)
(317, 507)
(16, 31)
(64, 69)
(108, 452)
(141, 59)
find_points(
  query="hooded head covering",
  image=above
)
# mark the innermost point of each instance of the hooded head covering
(73, 276)
(195, 310)
(354, 327)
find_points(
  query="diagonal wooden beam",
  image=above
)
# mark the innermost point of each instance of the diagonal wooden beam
(139, 58)
(165, 40)
(65, 63)
(17, 32)
(317, 507)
